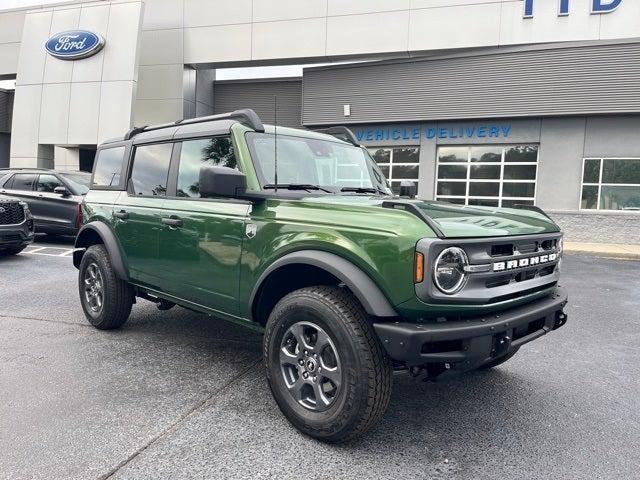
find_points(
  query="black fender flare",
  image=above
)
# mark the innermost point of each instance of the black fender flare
(109, 241)
(363, 287)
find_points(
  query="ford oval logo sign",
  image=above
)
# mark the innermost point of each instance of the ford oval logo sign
(74, 44)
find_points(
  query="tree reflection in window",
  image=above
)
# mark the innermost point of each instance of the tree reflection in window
(195, 154)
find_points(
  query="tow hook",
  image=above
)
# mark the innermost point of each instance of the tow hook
(502, 345)
(561, 319)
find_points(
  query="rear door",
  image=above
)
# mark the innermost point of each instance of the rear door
(138, 211)
(201, 239)
(53, 211)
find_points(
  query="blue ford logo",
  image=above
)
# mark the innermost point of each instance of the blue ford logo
(74, 44)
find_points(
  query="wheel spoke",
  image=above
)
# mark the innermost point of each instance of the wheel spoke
(297, 331)
(322, 341)
(296, 389)
(287, 358)
(322, 401)
(333, 374)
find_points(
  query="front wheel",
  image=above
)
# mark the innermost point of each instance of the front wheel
(326, 369)
(106, 299)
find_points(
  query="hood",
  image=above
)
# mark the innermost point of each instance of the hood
(455, 221)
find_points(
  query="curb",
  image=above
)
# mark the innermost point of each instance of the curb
(621, 255)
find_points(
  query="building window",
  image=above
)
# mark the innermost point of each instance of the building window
(487, 175)
(610, 184)
(397, 164)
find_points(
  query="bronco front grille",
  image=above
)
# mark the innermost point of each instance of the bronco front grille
(11, 213)
(501, 268)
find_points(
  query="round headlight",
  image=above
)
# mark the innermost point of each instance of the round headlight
(449, 270)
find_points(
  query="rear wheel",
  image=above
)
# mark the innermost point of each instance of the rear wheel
(11, 251)
(499, 361)
(106, 299)
(326, 369)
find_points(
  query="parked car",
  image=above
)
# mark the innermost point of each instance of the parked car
(16, 226)
(297, 234)
(54, 197)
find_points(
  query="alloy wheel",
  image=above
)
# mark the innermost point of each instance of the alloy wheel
(93, 287)
(310, 366)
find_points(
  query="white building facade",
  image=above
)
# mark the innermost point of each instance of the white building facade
(159, 59)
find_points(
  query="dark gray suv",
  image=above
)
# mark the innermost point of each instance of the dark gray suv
(54, 197)
(16, 226)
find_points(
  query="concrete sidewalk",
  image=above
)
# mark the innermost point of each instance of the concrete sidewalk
(609, 250)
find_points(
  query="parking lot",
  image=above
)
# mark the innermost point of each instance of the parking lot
(177, 394)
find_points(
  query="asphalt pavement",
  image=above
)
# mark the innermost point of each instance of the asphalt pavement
(177, 394)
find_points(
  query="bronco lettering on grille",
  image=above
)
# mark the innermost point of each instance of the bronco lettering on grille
(524, 262)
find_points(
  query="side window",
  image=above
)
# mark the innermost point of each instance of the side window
(151, 169)
(47, 183)
(108, 167)
(195, 154)
(23, 181)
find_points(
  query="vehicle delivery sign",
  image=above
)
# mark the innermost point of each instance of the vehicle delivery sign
(74, 44)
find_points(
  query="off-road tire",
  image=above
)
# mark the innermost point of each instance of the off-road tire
(118, 295)
(365, 390)
(5, 252)
(499, 361)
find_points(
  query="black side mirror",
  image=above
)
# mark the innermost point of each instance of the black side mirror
(62, 191)
(222, 182)
(408, 189)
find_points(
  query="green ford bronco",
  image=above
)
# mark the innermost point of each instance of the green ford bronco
(297, 234)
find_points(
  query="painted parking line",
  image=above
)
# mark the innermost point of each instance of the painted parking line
(48, 251)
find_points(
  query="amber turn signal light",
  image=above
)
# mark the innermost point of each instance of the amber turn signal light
(418, 269)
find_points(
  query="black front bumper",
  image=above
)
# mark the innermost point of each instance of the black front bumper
(15, 236)
(466, 344)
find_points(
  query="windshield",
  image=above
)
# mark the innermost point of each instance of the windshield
(78, 182)
(333, 166)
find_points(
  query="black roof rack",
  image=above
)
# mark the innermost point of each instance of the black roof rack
(343, 133)
(245, 116)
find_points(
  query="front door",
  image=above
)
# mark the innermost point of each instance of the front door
(201, 239)
(138, 212)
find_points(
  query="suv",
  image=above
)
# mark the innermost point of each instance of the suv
(54, 197)
(16, 226)
(296, 233)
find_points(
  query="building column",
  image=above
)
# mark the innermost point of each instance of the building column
(66, 158)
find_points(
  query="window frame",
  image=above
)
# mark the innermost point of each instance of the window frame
(35, 185)
(391, 163)
(174, 167)
(600, 184)
(126, 161)
(36, 175)
(501, 181)
(131, 161)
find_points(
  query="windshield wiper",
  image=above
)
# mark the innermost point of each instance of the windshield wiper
(363, 190)
(296, 186)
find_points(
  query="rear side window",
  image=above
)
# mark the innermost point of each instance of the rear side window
(108, 166)
(22, 181)
(48, 183)
(196, 154)
(151, 169)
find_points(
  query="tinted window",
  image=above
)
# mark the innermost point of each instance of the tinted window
(151, 169)
(108, 166)
(47, 183)
(198, 153)
(23, 181)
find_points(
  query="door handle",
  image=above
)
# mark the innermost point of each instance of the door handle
(122, 214)
(173, 221)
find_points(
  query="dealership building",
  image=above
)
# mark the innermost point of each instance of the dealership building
(480, 102)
